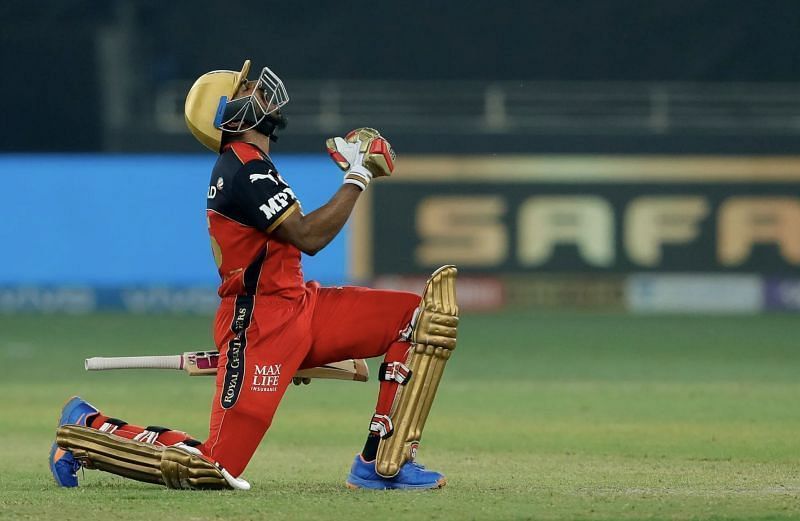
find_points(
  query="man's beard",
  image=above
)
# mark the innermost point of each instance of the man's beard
(279, 119)
(272, 122)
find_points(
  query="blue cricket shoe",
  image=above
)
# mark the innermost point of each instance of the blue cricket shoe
(411, 475)
(62, 464)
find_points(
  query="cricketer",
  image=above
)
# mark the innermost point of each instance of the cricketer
(270, 322)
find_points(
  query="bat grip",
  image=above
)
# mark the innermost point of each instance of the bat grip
(100, 363)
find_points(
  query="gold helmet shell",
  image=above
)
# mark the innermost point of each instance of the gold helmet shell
(203, 101)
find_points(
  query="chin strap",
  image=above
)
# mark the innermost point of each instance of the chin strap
(268, 129)
(235, 114)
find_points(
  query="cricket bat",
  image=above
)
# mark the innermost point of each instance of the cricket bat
(200, 363)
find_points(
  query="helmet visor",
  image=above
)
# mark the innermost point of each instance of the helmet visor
(268, 96)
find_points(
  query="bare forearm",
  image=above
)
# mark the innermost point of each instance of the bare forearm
(312, 232)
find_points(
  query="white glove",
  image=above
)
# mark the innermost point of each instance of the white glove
(363, 154)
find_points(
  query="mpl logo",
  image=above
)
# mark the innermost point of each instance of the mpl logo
(278, 202)
(266, 378)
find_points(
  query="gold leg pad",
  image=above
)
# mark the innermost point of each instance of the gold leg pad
(170, 466)
(189, 471)
(109, 453)
(434, 339)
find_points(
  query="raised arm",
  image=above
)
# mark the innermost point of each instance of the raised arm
(310, 233)
(362, 154)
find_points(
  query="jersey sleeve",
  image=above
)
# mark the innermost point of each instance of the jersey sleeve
(263, 196)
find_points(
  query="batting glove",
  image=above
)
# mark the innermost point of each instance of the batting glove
(363, 154)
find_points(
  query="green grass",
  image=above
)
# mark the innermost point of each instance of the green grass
(540, 416)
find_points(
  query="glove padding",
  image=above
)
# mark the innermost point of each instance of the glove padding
(363, 154)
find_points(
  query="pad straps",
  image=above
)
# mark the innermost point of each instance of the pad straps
(394, 372)
(381, 425)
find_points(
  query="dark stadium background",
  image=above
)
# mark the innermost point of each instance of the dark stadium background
(60, 56)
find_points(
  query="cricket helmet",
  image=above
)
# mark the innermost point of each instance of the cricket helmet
(212, 107)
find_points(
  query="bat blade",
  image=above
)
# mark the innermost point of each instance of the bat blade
(356, 370)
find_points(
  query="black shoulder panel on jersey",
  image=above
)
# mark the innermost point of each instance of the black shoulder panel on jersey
(262, 195)
(220, 196)
(253, 193)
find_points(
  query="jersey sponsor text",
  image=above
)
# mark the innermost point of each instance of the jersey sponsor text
(277, 202)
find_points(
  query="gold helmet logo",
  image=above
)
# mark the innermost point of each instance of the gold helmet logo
(203, 101)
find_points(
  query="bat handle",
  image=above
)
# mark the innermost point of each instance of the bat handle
(101, 363)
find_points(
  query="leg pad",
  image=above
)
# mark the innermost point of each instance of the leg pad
(434, 338)
(183, 470)
(170, 466)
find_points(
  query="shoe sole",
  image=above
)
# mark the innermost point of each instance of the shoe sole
(62, 419)
(354, 483)
(52, 464)
(436, 486)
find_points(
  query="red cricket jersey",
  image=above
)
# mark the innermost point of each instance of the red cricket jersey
(247, 200)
